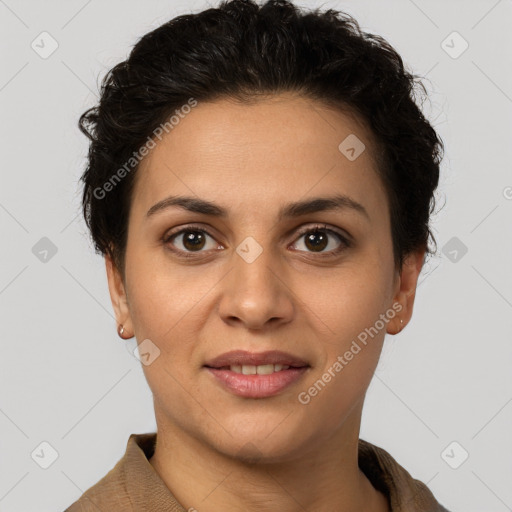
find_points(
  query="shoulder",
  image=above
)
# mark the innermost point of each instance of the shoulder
(115, 491)
(404, 492)
(109, 493)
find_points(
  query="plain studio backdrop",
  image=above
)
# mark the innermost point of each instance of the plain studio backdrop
(72, 391)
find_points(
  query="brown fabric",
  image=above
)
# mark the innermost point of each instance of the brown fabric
(134, 486)
(404, 493)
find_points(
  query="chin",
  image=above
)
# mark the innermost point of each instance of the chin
(257, 446)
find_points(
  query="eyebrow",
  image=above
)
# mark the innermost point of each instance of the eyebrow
(290, 210)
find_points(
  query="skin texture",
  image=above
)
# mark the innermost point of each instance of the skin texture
(217, 451)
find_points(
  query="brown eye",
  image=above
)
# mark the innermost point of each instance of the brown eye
(317, 241)
(322, 240)
(193, 240)
(190, 240)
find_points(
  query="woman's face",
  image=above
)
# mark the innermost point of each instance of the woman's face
(258, 281)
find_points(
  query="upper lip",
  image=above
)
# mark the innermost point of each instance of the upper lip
(242, 357)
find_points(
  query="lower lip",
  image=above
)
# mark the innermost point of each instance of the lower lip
(257, 386)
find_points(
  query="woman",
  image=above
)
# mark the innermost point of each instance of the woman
(259, 181)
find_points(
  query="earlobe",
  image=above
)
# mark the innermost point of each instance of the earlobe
(396, 325)
(406, 292)
(118, 298)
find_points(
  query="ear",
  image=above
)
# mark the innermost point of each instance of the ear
(118, 297)
(405, 291)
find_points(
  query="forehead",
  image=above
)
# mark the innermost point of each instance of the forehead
(273, 150)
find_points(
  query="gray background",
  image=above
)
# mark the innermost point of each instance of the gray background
(68, 380)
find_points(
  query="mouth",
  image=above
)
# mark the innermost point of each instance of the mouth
(250, 369)
(256, 375)
(242, 358)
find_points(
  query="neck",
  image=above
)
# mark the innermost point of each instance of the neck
(323, 478)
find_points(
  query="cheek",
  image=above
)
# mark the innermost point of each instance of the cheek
(346, 301)
(341, 382)
(348, 321)
(166, 309)
(164, 297)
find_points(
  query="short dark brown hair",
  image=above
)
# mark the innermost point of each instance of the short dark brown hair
(242, 50)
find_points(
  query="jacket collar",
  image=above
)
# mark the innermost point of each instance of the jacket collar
(134, 481)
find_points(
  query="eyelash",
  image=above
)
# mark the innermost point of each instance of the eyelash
(345, 243)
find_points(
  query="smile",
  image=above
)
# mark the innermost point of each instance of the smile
(257, 381)
(263, 369)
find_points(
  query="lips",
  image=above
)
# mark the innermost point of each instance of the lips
(245, 358)
(256, 375)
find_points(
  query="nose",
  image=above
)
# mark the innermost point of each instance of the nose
(256, 294)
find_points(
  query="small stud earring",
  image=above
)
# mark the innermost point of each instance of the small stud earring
(401, 325)
(121, 330)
